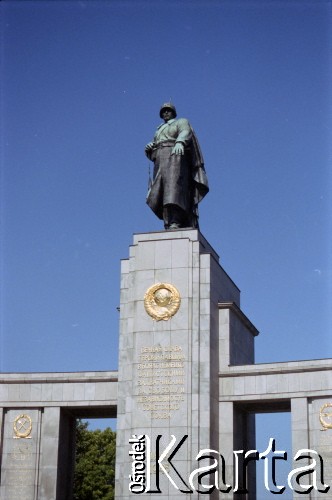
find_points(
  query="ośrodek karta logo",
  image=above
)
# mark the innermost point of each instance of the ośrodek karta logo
(211, 473)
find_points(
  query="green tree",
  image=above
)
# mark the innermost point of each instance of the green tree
(94, 463)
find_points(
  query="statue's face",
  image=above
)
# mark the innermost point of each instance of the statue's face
(167, 114)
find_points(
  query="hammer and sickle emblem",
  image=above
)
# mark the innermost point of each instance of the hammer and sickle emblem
(22, 426)
(162, 301)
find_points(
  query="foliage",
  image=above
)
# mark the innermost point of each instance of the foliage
(94, 463)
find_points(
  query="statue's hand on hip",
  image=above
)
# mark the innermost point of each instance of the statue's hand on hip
(178, 149)
(149, 148)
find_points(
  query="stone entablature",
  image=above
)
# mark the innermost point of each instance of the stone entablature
(282, 380)
(76, 389)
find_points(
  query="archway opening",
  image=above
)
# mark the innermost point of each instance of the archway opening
(276, 426)
(94, 459)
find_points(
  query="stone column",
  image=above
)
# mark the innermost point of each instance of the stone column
(20, 454)
(320, 439)
(57, 454)
(300, 433)
(226, 444)
(169, 365)
(49, 453)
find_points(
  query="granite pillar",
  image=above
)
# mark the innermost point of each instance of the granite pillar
(168, 369)
(20, 454)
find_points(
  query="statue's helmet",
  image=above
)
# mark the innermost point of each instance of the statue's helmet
(167, 105)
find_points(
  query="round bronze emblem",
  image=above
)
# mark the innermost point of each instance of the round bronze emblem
(22, 426)
(325, 416)
(162, 301)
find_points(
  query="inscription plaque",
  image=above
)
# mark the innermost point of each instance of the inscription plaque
(161, 380)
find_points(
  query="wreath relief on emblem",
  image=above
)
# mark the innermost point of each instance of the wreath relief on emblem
(325, 416)
(162, 301)
(22, 426)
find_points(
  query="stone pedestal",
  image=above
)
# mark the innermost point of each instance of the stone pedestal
(168, 368)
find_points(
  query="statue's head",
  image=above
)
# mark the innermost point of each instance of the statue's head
(167, 105)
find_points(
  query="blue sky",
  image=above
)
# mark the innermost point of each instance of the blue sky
(82, 84)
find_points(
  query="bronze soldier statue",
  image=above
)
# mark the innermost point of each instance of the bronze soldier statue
(179, 179)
